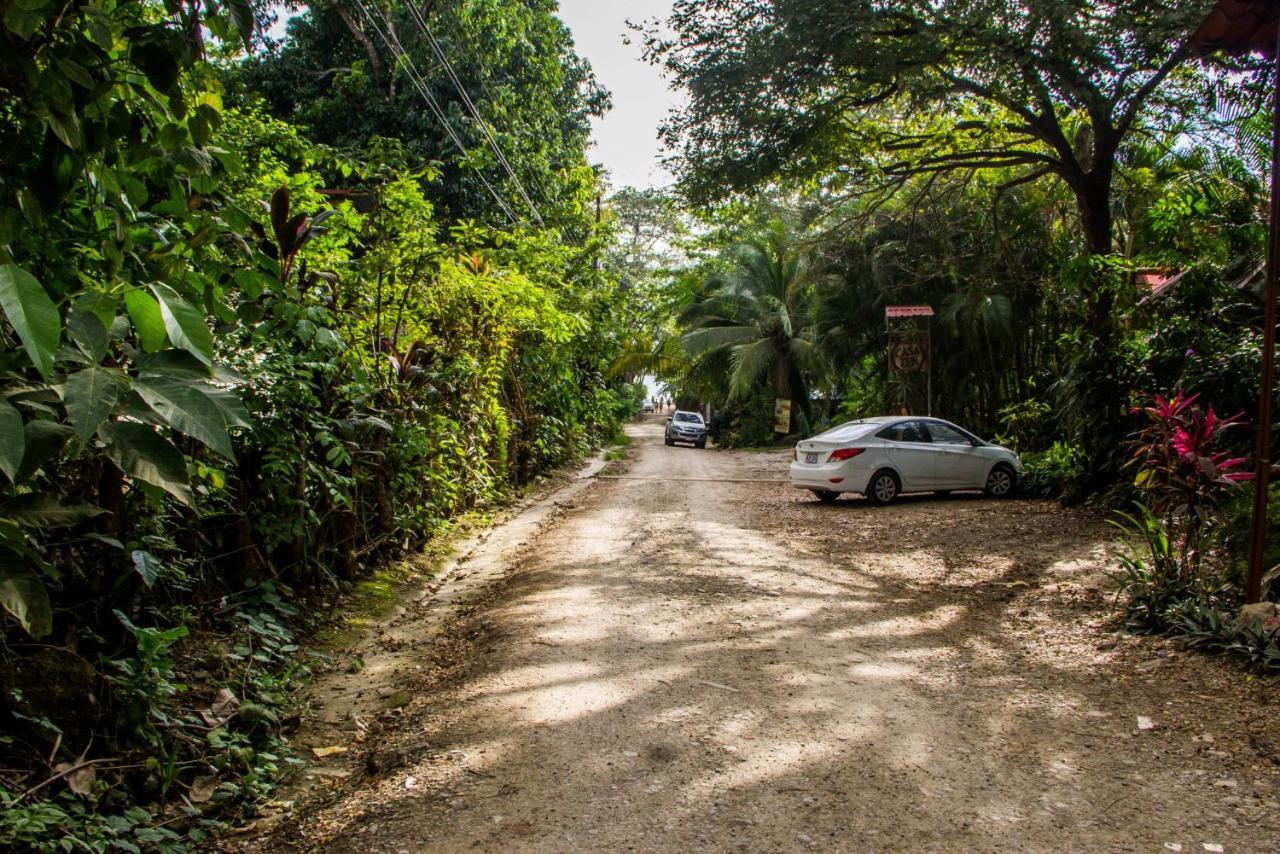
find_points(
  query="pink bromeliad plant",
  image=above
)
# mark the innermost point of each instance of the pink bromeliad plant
(1186, 474)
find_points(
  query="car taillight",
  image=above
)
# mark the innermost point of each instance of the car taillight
(843, 454)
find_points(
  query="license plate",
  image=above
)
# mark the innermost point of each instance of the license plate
(811, 459)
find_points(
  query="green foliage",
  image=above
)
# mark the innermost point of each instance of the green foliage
(1045, 473)
(754, 313)
(336, 81)
(240, 369)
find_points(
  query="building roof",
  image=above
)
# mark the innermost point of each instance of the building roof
(1238, 27)
(908, 311)
(1157, 282)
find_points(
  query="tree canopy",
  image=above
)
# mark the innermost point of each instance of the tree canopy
(869, 95)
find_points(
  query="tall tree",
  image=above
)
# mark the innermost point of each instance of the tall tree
(757, 311)
(804, 87)
(335, 76)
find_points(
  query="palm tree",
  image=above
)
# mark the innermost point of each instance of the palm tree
(757, 312)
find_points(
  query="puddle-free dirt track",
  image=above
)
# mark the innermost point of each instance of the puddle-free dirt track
(697, 665)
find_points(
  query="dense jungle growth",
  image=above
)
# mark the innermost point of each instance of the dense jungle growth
(275, 312)
(265, 329)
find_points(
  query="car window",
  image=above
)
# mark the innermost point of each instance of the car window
(945, 434)
(689, 417)
(904, 431)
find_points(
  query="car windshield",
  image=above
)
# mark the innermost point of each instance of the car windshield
(689, 417)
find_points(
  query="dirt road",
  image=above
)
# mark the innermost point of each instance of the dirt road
(689, 665)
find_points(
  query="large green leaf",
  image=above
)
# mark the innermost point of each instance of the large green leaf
(32, 314)
(184, 323)
(242, 16)
(173, 363)
(88, 333)
(143, 453)
(13, 442)
(232, 408)
(46, 511)
(22, 594)
(91, 396)
(147, 565)
(186, 408)
(144, 311)
(45, 440)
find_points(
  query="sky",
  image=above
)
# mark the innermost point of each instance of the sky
(626, 139)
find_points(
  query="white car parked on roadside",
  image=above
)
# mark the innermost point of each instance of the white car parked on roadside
(882, 458)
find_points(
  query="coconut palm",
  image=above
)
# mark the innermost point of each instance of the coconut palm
(757, 312)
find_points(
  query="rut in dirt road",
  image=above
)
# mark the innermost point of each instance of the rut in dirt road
(695, 665)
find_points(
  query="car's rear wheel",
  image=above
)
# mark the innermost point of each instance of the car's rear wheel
(826, 496)
(1001, 482)
(883, 488)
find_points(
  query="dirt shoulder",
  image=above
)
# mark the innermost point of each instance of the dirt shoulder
(697, 665)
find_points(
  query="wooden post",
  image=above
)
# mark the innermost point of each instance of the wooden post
(1266, 405)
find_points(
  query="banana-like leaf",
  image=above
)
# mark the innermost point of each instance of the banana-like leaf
(88, 333)
(44, 441)
(142, 453)
(184, 323)
(91, 396)
(13, 442)
(185, 407)
(144, 311)
(41, 510)
(280, 201)
(23, 594)
(32, 314)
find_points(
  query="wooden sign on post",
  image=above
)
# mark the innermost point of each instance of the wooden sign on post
(910, 345)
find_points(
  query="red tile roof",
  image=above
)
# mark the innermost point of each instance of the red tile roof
(908, 311)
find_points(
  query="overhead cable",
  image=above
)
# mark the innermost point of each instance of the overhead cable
(425, 29)
(415, 77)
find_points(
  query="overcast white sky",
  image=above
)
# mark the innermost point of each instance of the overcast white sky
(627, 137)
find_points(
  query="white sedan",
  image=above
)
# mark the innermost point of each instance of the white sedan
(882, 458)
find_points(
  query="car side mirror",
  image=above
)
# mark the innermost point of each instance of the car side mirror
(668, 419)
(977, 443)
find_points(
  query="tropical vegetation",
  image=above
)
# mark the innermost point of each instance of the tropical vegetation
(277, 310)
(251, 351)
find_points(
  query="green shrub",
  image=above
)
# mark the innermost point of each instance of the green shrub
(1046, 473)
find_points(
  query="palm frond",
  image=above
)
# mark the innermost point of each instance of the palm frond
(750, 362)
(712, 338)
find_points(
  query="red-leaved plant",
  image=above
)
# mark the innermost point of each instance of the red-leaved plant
(1184, 470)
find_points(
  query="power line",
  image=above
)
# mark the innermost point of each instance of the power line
(425, 29)
(416, 79)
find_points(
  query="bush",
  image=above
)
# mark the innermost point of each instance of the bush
(1027, 426)
(1046, 473)
(1181, 575)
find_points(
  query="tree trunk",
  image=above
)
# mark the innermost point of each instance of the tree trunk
(358, 33)
(1097, 398)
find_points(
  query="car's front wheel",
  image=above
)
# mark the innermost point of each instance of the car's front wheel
(668, 441)
(700, 444)
(1001, 482)
(883, 488)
